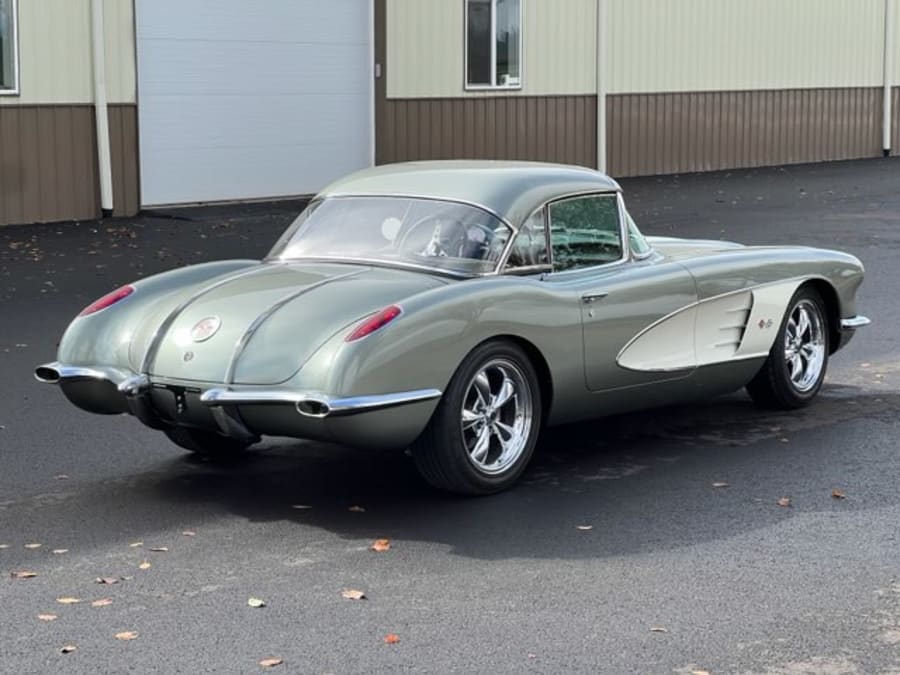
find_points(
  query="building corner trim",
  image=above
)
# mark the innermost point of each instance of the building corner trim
(101, 111)
(890, 36)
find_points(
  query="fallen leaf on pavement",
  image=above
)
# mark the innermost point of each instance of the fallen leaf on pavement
(721, 484)
(136, 544)
(145, 565)
(391, 638)
(4, 546)
(68, 601)
(160, 549)
(303, 507)
(102, 602)
(188, 533)
(127, 635)
(47, 617)
(381, 545)
(32, 546)
(23, 574)
(700, 672)
(658, 629)
(357, 509)
(353, 594)
(271, 663)
(59, 551)
(256, 602)
(784, 501)
(106, 580)
(61, 476)
(68, 649)
(784, 440)
(837, 493)
(584, 527)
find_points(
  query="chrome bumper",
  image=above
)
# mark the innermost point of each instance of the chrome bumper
(131, 394)
(314, 404)
(855, 322)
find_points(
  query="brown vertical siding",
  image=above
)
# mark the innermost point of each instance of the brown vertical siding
(48, 162)
(703, 131)
(548, 128)
(123, 137)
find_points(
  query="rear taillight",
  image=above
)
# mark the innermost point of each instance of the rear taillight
(374, 322)
(107, 300)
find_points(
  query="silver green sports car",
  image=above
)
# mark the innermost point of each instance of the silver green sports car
(457, 308)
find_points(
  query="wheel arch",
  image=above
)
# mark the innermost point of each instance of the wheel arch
(829, 296)
(538, 361)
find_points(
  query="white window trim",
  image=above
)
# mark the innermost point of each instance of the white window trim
(494, 86)
(14, 90)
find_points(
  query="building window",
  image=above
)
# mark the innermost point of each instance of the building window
(9, 52)
(493, 44)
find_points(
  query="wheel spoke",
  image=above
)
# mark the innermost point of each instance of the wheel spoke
(483, 388)
(480, 451)
(796, 368)
(803, 324)
(469, 418)
(507, 391)
(500, 429)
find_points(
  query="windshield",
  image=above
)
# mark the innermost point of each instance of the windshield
(400, 230)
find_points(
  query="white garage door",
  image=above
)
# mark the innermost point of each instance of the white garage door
(240, 99)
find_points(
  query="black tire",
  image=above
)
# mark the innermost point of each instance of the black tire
(774, 387)
(206, 443)
(444, 453)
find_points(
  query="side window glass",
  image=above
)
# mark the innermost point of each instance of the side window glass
(584, 232)
(530, 246)
(639, 245)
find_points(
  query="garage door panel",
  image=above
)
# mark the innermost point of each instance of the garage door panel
(225, 68)
(261, 171)
(245, 100)
(255, 20)
(202, 124)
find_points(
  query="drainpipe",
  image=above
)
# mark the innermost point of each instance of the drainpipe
(890, 34)
(101, 112)
(602, 79)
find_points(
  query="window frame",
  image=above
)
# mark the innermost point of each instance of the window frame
(14, 27)
(524, 270)
(623, 233)
(493, 86)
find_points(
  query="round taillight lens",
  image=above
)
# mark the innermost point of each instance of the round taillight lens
(107, 300)
(375, 322)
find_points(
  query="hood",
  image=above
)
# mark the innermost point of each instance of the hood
(271, 320)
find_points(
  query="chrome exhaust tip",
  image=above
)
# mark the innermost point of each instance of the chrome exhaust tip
(313, 408)
(48, 374)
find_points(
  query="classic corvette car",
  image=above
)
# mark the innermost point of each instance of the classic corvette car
(457, 308)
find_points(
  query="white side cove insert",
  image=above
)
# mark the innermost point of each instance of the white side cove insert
(730, 327)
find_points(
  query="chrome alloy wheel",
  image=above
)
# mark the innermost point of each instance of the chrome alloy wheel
(496, 418)
(804, 345)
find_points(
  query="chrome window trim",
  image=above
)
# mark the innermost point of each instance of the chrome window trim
(626, 257)
(14, 90)
(504, 269)
(625, 217)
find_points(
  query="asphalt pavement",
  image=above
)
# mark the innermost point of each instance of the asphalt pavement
(618, 553)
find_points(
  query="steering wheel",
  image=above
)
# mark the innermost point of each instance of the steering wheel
(446, 238)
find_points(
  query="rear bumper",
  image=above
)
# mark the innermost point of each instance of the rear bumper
(246, 412)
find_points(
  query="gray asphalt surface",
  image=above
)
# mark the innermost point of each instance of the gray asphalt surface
(736, 583)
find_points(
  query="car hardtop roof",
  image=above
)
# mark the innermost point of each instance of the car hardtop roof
(512, 190)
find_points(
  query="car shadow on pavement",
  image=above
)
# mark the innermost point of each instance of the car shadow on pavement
(617, 486)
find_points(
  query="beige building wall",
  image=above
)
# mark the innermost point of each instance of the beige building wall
(426, 49)
(656, 46)
(731, 45)
(55, 52)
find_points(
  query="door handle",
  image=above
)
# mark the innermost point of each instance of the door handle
(590, 298)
